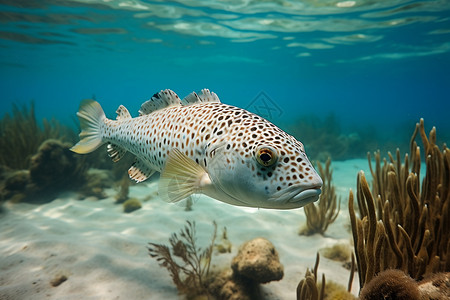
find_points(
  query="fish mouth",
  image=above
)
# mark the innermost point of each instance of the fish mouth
(292, 197)
(297, 196)
(306, 196)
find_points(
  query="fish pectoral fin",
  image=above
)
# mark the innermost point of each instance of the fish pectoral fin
(139, 171)
(181, 177)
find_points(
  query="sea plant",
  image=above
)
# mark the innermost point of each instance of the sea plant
(402, 224)
(320, 216)
(188, 264)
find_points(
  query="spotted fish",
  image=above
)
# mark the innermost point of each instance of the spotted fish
(201, 145)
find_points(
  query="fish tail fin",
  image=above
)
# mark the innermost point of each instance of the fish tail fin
(91, 118)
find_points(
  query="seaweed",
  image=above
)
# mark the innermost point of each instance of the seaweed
(319, 217)
(403, 225)
(188, 264)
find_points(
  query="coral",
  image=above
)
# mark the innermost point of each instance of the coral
(4, 172)
(58, 280)
(15, 185)
(131, 205)
(124, 189)
(435, 287)
(55, 166)
(96, 181)
(229, 286)
(54, 169)
(405, 226)
(309, 289)
(21, 135)
(187, 264)
(189, 204)
(319, 217)
(224, 245)
(258, 260)
(338, 252)
(334, 291)
(17, 181)
(391, 284)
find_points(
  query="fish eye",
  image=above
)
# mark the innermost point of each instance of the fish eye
(266, 156)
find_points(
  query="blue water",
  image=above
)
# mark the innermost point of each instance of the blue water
(380, 63)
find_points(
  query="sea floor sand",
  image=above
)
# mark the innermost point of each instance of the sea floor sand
(102, 251)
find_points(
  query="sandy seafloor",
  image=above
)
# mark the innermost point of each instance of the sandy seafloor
(103, 251)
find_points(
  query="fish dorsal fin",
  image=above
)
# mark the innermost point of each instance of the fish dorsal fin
(160, 100)
(122, 113)
(181, 177)
(204, 96)
(140, 171)
(115, 152)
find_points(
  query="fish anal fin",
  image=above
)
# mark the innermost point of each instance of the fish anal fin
(181, 177)
(140, 171)
(122, 113)
(204, 96)
(159, 101)
(115, 152)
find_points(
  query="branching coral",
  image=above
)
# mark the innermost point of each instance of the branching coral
(319, 217)
(309, 289)
(402, 225)
(189, 272)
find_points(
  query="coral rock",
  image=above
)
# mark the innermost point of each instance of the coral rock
(131, 205)
(258, 260)
(54, 165)
(17, 180)
(436, 287)
(391, 284)
(228, 286)
(15, 186)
